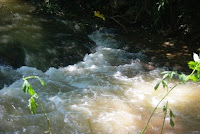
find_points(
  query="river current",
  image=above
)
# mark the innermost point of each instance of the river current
(110, 87)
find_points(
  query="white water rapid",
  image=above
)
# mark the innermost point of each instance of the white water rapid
(111, 87)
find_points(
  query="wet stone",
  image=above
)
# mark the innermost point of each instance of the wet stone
(11, 54)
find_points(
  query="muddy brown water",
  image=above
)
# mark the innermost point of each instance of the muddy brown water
(110, 86)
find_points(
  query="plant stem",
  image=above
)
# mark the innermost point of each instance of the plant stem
(164, 118)
(187, 78)
(45, 115)
(157, 107)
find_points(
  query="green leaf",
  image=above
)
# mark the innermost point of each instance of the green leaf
(171, 115)
(168, 74)
(32, 105)
(165, 76)
(157, 85)
(165, 72)
(163, 3)
(183, 77)
(193, 78)
(25, 86)
(36, 77)
(159, 7)
(41, 81)
(171, 122)
(164, 108)
(164, 84)
(194, 65)
(172, 74)
(31, 90)
(198, 74)
(35, 96)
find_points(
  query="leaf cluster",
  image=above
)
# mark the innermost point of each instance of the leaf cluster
(171, 115)
(168, 75)
(194, 76)
(27, 88)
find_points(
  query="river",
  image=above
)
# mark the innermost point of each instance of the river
(107, 85)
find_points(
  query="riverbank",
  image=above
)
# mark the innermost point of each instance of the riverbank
(164, 51)
(171, 49)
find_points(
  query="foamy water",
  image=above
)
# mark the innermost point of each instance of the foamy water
(111, 87)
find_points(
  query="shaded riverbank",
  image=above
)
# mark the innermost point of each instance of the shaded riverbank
(164, 51)
(65, 33)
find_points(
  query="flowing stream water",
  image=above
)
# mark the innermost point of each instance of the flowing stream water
(109, 86)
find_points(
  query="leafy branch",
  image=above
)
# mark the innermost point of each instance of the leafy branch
(168, 75)
(27, 88)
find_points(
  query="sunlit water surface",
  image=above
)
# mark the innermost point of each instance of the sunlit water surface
(111, 87)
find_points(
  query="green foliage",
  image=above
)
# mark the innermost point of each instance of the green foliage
(157, 85)
(32, 104)
(182, 77)
(171, 115)
(26, 87)
(194, 65)
(159, 15)
(161, 4)
(195, 77)
(47, 6)
(168, 75)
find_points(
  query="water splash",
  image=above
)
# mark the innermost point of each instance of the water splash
(110, 86)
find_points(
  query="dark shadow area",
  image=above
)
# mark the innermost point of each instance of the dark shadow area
(11, 54)
(171, 52)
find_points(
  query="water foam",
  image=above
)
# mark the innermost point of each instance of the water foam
(110, 87)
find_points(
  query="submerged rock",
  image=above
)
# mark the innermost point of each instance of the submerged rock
(11, 54)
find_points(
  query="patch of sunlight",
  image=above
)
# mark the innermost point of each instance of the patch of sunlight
(170, 55)
(168, 44)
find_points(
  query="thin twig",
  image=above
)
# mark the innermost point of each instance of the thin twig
(46, 117)
(137, 15)
(119, 24)
(131, 22)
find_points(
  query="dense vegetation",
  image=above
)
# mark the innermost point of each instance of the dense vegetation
(163, 16)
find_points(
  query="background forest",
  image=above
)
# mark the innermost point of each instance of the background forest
(167, 17)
